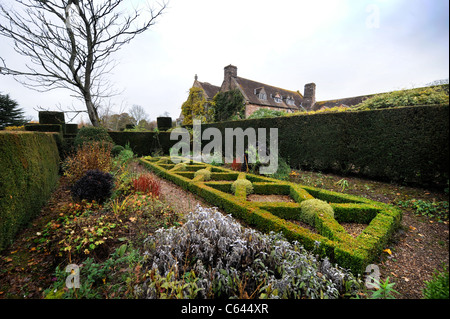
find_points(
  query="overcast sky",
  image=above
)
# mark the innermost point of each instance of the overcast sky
(347, 47)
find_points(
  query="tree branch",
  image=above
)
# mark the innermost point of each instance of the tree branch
(70, 43)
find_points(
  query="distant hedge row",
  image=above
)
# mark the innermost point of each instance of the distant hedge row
(144, 143)
(406, 144)
(29, 166)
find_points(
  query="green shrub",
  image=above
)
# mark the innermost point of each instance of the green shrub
(228, 104)
(116, 150)
(264, 113)
(283, 170)
(203, 172)
(438, 286)
(310, 208)
(125, 155)
(89, 134)
(419, 96)
(244, 183)
(145, 143)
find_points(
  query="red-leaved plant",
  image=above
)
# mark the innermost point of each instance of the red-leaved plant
(145, 183)
(236, 165)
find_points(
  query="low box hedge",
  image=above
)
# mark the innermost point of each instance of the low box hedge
(330, 238)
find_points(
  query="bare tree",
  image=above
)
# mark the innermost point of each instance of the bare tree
(138, 113)
(70, 43)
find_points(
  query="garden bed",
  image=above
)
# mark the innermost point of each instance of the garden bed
(418, 247)
(354, 253)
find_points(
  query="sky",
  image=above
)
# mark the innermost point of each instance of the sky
(347, 47)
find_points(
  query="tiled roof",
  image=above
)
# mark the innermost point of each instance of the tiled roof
(254, 92)
(348, 101)
(210, 90)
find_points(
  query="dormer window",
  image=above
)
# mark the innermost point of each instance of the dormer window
(290, 101)
(278, 98)
(261, 93)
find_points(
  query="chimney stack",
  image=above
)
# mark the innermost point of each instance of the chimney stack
(309, 98)
(230, 72)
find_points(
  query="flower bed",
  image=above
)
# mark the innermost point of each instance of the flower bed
(330, 239)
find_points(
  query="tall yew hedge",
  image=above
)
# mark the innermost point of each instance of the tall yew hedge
(29, 166)
(405, 144)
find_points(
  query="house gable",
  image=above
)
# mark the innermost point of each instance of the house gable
(209, 90)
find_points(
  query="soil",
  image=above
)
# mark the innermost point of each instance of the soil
(420, 246)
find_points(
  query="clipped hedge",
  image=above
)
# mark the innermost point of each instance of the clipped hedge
(89, 134)
(144, 143)
(29, 163)
(404, 144)
(164, 123)
(32, 127)
(330, 238)
(51, 117)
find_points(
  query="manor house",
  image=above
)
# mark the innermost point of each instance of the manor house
(258, 95)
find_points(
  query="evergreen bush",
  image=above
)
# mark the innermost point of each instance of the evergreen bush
(94, 185)
(245, 183)
(10, 113)
(89, 134)
(312, 207)
(203, 172)
(116, 150)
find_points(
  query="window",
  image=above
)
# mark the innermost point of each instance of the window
(260, 93)
(278, 98)
(290, 101)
